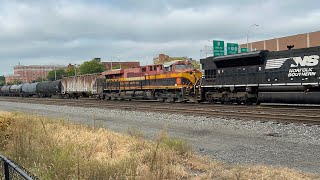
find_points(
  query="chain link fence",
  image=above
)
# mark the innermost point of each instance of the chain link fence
(12, 171)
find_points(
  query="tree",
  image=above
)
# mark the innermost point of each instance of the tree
(116, 67)
(59, 74)
(2, 80)
(15, 81)
(90, 67)
(196, 64)
(40, 79)
(71, 70)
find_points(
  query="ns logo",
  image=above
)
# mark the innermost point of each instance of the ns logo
(305, 61)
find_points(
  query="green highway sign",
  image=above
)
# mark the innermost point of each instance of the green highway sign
(218, 48)
(232, 48)
(244, 50)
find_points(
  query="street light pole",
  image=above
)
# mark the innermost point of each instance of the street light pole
(75, 69)
(111, 64)
(41, 67)
(253, 25)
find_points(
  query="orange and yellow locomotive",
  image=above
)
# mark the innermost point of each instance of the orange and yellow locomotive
(172, 81)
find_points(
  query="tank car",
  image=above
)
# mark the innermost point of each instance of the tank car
(289, 76)
(5, 90)
(48, 88)
(29, 89)
(15, 90)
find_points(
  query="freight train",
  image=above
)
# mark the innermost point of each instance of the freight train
(289, 76)
(173, 81)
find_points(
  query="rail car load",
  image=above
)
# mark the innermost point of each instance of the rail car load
(172, 81)
(290, 76)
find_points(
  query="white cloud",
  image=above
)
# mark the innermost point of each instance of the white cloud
(61, 31)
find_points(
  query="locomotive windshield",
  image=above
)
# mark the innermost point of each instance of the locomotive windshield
(183, 66)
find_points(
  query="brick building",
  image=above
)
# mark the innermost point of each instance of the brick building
(26, 74)
(277, 44)
(162, 58)
(118, 65)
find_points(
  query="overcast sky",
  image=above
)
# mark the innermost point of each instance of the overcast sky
(72, 31)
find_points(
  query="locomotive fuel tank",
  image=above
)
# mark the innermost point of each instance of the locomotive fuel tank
(282, 89)
(289, 97)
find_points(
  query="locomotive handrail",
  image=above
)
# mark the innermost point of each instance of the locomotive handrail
(7, 164)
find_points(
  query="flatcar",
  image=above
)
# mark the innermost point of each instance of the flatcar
(173, 81)
(289, 76)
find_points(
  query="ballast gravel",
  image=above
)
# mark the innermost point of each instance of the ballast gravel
(238, 141)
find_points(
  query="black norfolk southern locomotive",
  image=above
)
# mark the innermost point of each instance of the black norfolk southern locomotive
(290, 76)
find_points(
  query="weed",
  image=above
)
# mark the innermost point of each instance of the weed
(63, 150)
(135, 132)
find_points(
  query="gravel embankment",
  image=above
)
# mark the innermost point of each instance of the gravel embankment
(228, 140)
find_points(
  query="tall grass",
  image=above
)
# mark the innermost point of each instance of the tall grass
(57, 149)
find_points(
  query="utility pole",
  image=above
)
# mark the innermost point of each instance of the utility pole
(111, 64)
(55, 73)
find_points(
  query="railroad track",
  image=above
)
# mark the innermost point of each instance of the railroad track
(278, 114)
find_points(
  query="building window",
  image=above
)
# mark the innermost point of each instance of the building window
(144, 69)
